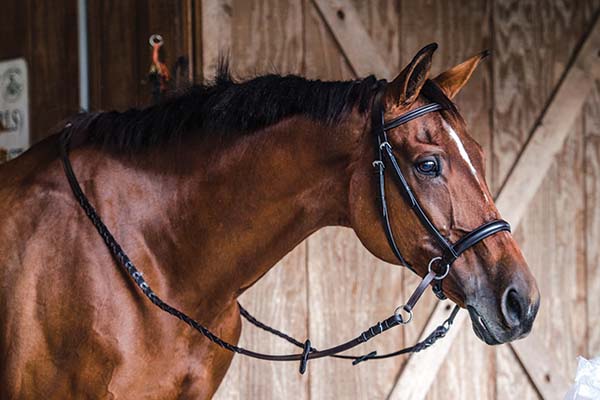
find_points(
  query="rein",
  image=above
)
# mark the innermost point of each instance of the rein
(401, 316)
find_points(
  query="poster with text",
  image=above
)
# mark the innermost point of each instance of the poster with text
(14, 109)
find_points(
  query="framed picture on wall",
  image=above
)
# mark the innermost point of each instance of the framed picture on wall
(14, 109)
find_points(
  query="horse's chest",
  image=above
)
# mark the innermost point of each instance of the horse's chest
(176, 364)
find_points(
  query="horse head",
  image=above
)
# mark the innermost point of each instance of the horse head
(443, 168)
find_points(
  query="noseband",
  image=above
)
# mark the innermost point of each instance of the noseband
(402, 315)
(449, 252)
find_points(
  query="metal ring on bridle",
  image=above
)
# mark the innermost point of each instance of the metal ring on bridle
(398, 312)
(156, 39)
(438, 276)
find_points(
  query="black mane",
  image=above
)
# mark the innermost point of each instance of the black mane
(227, 106)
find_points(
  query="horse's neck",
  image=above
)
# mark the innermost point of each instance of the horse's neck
(241, 206)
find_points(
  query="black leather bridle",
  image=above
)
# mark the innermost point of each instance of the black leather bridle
(402, 315)
(449, 252)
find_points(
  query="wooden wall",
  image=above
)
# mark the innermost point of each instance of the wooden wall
(532, 42)
(119, 52)
(46, 37)
(530, 58)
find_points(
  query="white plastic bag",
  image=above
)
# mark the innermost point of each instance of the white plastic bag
(587, 381)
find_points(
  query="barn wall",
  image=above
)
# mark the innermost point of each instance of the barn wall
(530, 59)
(532, 42)
(119, 51)
(46, 37)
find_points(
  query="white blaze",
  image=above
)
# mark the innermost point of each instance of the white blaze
(463, 153)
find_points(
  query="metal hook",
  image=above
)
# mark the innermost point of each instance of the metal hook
(155, 40)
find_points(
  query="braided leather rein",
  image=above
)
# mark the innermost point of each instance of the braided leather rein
(451, 252)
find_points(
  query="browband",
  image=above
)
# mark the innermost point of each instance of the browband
(413, 114)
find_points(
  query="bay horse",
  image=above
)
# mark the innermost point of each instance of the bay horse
(206, 192)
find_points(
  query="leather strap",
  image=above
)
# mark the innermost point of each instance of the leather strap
(385, 155)
(389, 234)
(423, 285)
(409, 116)
(384, 151)
(124, 261)
(478, 234)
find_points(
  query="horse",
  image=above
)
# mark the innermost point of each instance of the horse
(207, 191)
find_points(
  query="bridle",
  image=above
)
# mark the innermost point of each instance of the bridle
(450, 252)
(402, 315)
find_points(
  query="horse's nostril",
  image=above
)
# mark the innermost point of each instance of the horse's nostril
(512, 307)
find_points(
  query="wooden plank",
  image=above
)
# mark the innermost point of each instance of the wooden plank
(371, 286)
(549, 369)
(548, 137)
(555, 221)
(591, 127)
(461, 29)
(551, 232)
(173, 21)
(120, 55)
(53, 67)
(213, 24)
(542, 367)
(323, 58)
(351, 35)
(46, 37)
(267, 37)
(261, 43)
(416, 378)
(114, 55)
(572, 87)
(279, 299)
(370, 291)
(381, 20)
(511, 377)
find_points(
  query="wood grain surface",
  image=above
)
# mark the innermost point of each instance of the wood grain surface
(461, 29)
(373, 288)
(46, 37)
(267, 36)
(591, 129)
(120, 55)
(530, 57)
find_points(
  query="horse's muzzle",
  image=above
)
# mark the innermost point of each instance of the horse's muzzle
(512, 319)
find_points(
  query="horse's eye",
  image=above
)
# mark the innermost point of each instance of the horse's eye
(428, 166)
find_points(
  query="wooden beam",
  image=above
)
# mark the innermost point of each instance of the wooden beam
(549, 136)
(541, 365)
(521, 185)
(420, 370)
(354, 40)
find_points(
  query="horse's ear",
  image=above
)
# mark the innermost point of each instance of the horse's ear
(405, 88)
(456, 77)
